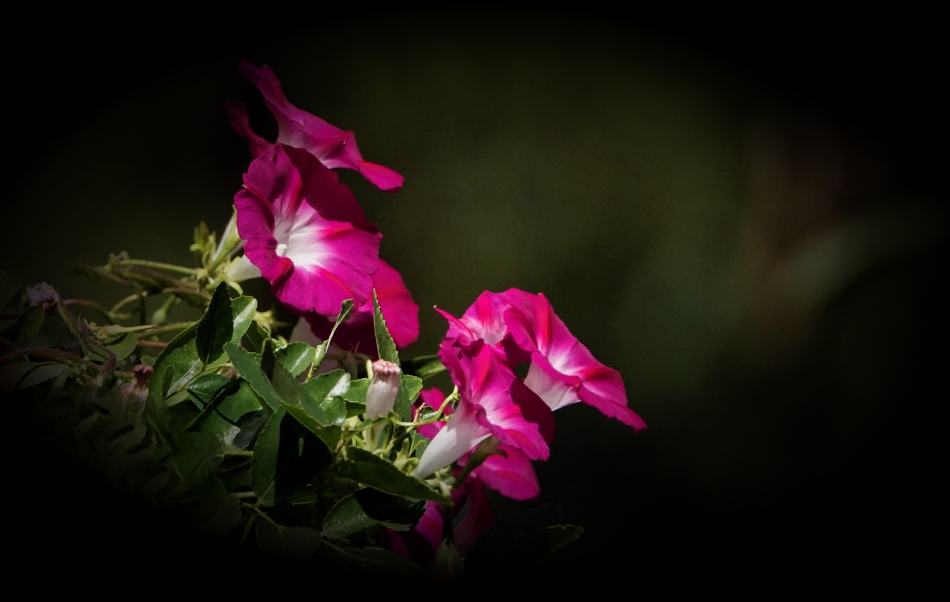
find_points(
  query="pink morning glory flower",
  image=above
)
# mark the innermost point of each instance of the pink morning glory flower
(395, 303)
(562, 370)
(305, 232)
(331, 145)
(491, 404)
(510, 472)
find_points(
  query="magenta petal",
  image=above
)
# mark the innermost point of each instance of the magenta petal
(478, 516)
(512, 476)
(305, 232)
(297, 128)
(487, 386)
(383, 177)
(237, 117)
(563, 370)
(398, 308)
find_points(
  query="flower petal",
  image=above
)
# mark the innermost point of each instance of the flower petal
(297, 128)
(398, 308)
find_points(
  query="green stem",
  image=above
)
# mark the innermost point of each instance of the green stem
(158, 265)
(125, 301)
(91, 305)
(49, 353)
(177, 326)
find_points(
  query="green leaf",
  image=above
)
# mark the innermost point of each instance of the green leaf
(243, 309)
(249, 367)
(25, 327)
(296, 399)
(257, 335)
(346, 518)
(295, 357)
(122, 345)
(292, 543)
(409, 387)
(357, 390)
(393, 511)
(377, 473)
(345, 309)
(205, 386)
(326, 389)
(286, 457)
(384, 342)
(21, 375)
(230, 388)
(424, 366)
(378, 560)
(176, 366)
(216, 326)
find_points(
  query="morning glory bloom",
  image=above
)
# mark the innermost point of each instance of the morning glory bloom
(306, 233)
(562, 370)
(491, 404)
(331, 145)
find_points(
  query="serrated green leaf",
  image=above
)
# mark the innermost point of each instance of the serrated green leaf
(371, 470)
(21, 375)
(345, 309)
(292, 543)
(296, 400)
(206, 385)
(25, 327)
(346, 518)
(378, 560)
(243, 309)
(175, 366)
(216, 326)
(286, 457)
(394, 511)
(409, 387)
(326, 389)
(357, 391)
(230, 388)
(423, 366)
(256, 335)
(249, 367)
(121, 345)
(384, 341)
(296, 357)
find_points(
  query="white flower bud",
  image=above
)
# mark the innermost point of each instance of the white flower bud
(381, 394)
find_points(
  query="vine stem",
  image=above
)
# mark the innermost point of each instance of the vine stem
(158, 265)
(47, 352)
(91, 305)
(155, 344)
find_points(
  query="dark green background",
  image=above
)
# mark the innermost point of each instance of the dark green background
(747, 223)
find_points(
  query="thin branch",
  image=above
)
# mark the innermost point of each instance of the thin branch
(158, 265)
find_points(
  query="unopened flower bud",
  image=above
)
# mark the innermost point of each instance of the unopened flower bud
(381, 394)
(142, 373)
(44, 296)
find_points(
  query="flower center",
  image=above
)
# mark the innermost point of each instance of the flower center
(281, 249)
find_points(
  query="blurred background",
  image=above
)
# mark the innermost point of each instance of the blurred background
(747, 223)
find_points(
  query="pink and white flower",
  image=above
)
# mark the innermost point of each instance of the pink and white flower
(305, 232)
(510, 328)
(491, 404)
(331, 145)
